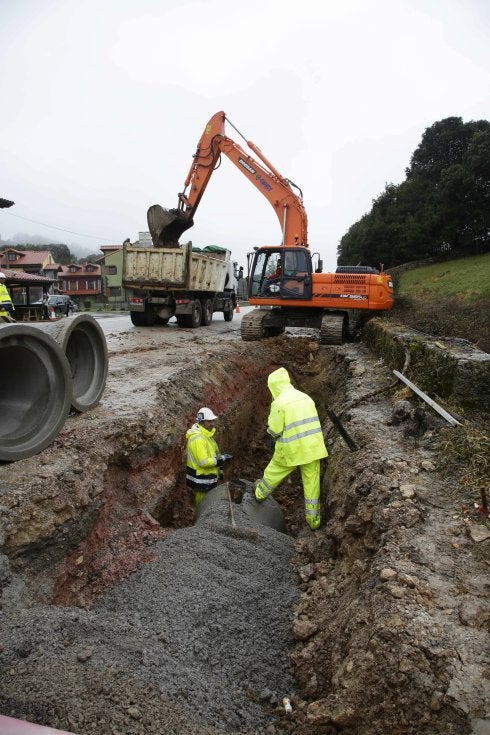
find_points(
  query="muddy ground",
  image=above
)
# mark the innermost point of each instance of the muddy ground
(121, 616)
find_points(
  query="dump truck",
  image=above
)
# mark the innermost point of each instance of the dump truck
(189, 283)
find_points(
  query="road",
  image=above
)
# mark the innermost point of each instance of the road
(113, 323)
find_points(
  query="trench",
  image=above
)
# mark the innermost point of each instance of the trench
(145, 520)
(143, 621)
(145, 496)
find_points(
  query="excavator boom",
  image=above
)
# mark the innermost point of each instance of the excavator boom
(167, 225)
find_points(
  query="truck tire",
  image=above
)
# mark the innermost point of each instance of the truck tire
(138, 318)
(193, 320)
(207, 312)
(228, 312)
(196, 315)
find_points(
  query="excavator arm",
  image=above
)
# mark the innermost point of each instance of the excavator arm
(166, 226)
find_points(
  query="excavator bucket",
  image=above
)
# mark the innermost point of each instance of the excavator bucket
(167, 225)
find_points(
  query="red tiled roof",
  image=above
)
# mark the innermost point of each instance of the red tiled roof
(81, 270)
(26, 257)
(20, 277)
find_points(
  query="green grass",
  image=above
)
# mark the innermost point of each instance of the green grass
(466, 278)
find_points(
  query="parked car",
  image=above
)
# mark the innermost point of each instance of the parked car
(61, 302)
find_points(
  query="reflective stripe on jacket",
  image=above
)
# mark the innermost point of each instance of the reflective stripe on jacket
(202, 472)
(293, 422)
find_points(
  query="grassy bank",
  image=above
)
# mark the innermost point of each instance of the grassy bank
(465, 279)
(449, 299)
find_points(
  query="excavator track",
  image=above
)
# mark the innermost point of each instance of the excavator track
(251, 327)
(331, 330)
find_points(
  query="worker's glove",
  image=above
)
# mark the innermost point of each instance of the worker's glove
(222, 458)
(271, 442)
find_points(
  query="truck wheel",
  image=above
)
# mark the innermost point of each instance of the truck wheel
(228, 312)
(196, 314)
(207, 312)
(191, 320)
(138, 318)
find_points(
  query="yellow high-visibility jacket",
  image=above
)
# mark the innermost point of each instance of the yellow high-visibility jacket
(293, 422)
(202, 472)
(5, 298)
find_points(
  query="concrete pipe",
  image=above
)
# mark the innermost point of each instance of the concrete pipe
(35, 391)
(84, 344)
(233, 502)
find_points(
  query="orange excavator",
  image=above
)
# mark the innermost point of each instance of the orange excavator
(285, 282)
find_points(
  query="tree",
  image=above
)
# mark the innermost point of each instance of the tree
(444, 144)
(61, 254)
(442, 208)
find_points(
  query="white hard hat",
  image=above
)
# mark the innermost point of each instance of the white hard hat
(205, 414)
(2, 275)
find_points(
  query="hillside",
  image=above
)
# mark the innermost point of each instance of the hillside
(450, 298)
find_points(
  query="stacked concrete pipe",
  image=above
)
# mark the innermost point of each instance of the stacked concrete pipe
(35, 391)
(83, 342)
(45, 369)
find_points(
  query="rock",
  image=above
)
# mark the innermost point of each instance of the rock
(134, 713)
(479, 533)
(395, 591)
(84, 655)
(480, 727)
(407, 491)
(401, 411)
(304, 629)
(322, 712)
(474, 614)
(387, 574)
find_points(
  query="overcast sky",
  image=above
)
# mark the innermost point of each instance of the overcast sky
(103, 103)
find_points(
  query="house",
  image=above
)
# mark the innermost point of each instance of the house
(40, 262)
(111, 264)
(27, 291)
(82, 280)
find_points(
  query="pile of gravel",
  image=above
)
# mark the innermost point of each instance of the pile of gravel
(202, 632)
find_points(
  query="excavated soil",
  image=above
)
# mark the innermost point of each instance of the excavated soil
(121, 616)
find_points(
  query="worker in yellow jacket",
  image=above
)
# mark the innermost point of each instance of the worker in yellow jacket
(295, 428)
(6, 305)
(204, 460)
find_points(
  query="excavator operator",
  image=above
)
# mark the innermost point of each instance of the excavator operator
(273, 278)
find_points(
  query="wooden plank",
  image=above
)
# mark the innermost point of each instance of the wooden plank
(445, 415)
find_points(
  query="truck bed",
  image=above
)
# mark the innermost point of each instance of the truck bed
(174, 269)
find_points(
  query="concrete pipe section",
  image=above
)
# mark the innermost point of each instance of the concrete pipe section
(84, 344)
(35, 391)
(233, 503)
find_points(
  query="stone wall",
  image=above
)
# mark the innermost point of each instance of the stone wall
(447, 368)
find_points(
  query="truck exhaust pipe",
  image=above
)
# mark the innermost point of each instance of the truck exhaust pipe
(35, 391)
(83, 342)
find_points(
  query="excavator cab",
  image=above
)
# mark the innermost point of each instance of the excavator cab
(280, 274)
